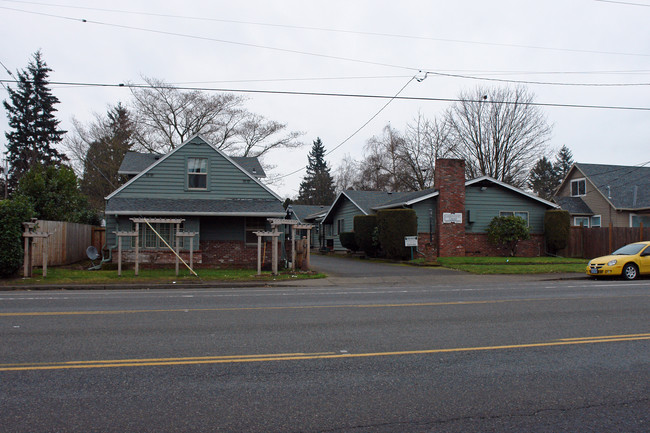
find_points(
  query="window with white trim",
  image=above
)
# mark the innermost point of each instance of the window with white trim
(595, 221)
(521, 214)
(197, 173)
(149, 240)
(581, 221)
(578, 187)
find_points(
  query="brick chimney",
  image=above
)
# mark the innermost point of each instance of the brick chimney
(449, 179)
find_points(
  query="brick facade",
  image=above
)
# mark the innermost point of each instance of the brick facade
(449, 179)
(212, 254)
(476, 244)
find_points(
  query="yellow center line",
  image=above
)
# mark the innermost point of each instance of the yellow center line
(303, 307)
(304, 356)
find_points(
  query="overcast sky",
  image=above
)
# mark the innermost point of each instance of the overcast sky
(352, 47)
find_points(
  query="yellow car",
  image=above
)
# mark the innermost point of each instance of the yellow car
(629, 261)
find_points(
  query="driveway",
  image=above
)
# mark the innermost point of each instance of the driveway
(347, 267)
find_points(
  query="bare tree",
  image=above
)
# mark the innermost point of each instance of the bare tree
(346, 174)
(424, 142)
(166, 116)
(498, 133)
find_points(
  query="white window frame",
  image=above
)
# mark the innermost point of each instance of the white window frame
(577, 181)
(519, 213)
(593, 223)
(577, 224)
(199, 173)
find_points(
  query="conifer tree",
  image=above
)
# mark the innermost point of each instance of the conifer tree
(563, 162)
(543, 179)
(35, 130)
(317, 187)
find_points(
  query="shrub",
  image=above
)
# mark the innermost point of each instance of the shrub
(394, 225)
(364, 228)
(507, 231)
(12, 214)
(557, 224)
(348, 241)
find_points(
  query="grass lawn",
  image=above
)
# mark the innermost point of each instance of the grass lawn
(514, 265)
(62, 275)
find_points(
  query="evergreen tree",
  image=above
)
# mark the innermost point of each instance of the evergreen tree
(31, 116)
(317, 187)
(111, 139)
(543, 179)
(563, 163)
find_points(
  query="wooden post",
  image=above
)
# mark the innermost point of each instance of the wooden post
(45, 257)
(137, 248)
(119, 256)
(293, 249)
(611, 236)
(192, 252)
(27, 266)
(259, 255)
(176, 246)
(274, 254)
(308, 248)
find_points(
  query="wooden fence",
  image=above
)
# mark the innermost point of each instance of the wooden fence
(600, 241)
(68, 242)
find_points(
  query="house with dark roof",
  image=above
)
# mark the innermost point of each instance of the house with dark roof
(219, 198)
(599, 194)
(452, 217)
(310, 214)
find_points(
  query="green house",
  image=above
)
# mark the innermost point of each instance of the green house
(219, 198)
(478, 202)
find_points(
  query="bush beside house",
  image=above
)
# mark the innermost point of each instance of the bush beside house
(394, 225)
(365, 227)
(12, 214)
(557, 226)
(348, 241)
(507, 231)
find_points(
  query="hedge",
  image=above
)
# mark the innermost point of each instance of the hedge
(394, 225)
(348, 241)
(365, 228)
(12, 214)
(557, 224)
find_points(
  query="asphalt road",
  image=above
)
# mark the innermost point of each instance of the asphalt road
(495, 356)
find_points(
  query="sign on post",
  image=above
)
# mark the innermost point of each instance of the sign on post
(410, 241)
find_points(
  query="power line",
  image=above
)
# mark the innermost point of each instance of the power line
(361, 127)
(331, 30)
(546, 83)
(224, 41)
(623, 3)
(347, 95)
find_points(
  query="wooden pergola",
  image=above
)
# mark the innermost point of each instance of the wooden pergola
(30, 237)
(136, 234)
(274, 234)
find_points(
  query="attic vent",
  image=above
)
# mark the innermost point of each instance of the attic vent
(156, 158)
(254, 171)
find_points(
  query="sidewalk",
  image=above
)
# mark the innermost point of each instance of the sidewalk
(333, 281)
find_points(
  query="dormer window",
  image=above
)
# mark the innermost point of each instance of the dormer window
(578, 187)
(197, 173)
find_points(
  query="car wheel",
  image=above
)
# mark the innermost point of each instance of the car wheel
(630, 271)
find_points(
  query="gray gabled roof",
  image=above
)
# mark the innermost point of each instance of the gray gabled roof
(308, 212)
(180, 207)
(136, 162)
(625, 187)
(251, 164)
(574, 205)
